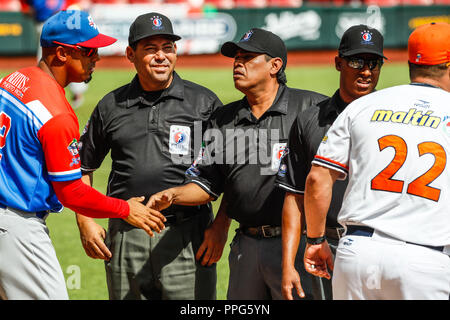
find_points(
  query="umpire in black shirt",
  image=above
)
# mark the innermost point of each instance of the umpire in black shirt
(359, 61)
(243, 145)
(148, 125)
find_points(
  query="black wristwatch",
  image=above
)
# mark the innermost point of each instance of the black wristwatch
(318, 240)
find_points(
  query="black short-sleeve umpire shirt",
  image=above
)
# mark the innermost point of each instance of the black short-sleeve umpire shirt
(305, 137)
(242, 153)
(152, 143)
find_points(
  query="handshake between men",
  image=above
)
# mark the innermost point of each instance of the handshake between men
(150, 219)
(215, 236)
(143, 217)
(186, 195)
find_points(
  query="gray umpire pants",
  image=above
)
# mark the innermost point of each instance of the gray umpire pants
(29, 268)
(162, 267)
(255, 269)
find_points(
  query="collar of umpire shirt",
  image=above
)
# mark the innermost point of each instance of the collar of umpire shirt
(137, 95)
(279, 105)
(335, 106)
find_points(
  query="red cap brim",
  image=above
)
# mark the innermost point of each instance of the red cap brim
(99, 41)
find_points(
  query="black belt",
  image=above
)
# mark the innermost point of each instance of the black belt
(364, 231)
(261, 231)
(180, 216)
(334, 233)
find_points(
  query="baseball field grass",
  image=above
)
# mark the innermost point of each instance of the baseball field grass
(85, 277)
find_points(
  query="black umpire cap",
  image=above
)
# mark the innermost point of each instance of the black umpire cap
(259, 41)
(361, 39)
(151, 24)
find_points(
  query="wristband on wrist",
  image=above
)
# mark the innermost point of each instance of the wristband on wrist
(318, 240)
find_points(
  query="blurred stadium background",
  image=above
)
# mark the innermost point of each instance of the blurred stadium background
(310, 28)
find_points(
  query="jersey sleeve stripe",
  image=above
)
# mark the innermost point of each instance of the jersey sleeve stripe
(205, 187)
(68, 175)
(84, 169)
(326, 160)
(65, 175)
(21, 106)
(62, 173)
(287, 188)
(39, 110)
(332, 166)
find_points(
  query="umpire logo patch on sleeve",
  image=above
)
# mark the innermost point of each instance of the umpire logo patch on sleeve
(278, 152)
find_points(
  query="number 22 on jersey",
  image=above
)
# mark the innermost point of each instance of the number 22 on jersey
(5, 125)
(420, 186)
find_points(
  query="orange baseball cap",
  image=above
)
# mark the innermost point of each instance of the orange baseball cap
(429, 44)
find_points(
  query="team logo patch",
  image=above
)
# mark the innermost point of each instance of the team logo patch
(278, 152)
(366, 37)
(73, 147)
(247, 36)
(180, 140)
(157, 23)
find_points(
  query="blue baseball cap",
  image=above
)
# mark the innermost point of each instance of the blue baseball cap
(73, 27)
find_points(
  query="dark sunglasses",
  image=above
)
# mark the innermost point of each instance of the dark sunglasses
(87, 52)
(359, 63)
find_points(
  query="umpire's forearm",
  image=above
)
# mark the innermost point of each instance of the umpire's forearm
(291, 228)
(190, 195)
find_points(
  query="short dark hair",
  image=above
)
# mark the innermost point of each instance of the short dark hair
(426, 71)
(281, 76)
(134, 45)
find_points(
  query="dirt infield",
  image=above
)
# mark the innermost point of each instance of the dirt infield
(295, 58)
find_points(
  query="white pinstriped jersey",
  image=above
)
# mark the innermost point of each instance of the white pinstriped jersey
(395, 144)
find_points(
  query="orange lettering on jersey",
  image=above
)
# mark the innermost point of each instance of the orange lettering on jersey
(419, 186)
(383, 181)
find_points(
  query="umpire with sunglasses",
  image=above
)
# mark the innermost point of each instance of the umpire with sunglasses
(359, 61)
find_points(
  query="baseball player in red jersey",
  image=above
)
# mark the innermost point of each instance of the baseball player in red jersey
(40, 165)
(394, 146)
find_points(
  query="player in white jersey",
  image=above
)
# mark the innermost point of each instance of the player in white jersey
(394, 145)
